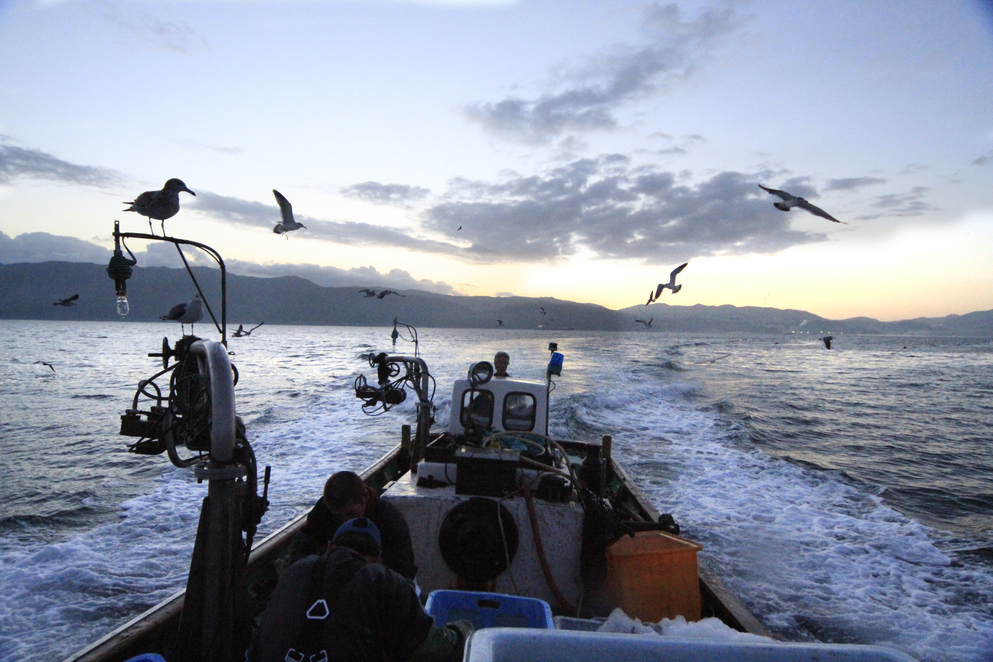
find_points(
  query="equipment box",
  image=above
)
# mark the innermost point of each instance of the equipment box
(486, 471)
(513, 645)
(654, 576)
(488, 610)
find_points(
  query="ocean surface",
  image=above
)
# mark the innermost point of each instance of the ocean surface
(846, 495)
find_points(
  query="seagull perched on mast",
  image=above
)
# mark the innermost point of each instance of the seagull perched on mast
(286, 209)
(186, 313)
(159, 205)
(790, 201)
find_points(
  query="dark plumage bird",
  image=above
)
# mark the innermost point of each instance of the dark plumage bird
(385, 292)
(286, 209)
(242, 332)
(159, 205)
(671, 284)
(460, 227)
(186, 313)
(368, 293)
(790, 201)
(647, 324)
(499, 322)
(71, 301)
(46, 363)
(542, 309)
(827, 341)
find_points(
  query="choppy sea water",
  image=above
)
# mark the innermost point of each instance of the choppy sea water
(845, 495)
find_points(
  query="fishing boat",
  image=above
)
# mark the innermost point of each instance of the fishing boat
(502, 517)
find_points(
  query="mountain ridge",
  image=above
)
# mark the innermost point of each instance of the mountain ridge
(28, 290)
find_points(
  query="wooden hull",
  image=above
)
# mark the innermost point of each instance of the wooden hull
(155, 630)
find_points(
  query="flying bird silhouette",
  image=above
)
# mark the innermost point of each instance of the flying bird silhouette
(647, 324)
(71, 301)
(159, 205)
(46, 363)
(827, 341)
(186, 313)
(242, 332)
(368, 293)
(499, 322)
(385, 292)
(542, 308)
(671, 284)
(460, 227)
(286, 209)
(790, 201)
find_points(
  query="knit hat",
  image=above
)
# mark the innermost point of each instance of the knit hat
(359, 525)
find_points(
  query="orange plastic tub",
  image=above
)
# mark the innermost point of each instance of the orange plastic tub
(654, 576)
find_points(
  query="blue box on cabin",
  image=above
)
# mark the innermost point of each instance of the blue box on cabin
(489, 610)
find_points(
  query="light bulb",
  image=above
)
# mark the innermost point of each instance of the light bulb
(122, 305)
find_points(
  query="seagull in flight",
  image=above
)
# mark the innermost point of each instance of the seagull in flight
(368, 293)
(242, 332)
(827, 341)
(159, 205)
(71, 301)
(46, 363)
(671, 284)
(647, 324)
(286, 209)
(790, 201)
(186, 313)
(385, 292)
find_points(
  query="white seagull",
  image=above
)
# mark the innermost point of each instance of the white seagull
(672, 282)
(790, 201)
(186, 313)
(286, 209)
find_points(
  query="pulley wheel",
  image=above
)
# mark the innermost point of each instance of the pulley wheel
(471, 541)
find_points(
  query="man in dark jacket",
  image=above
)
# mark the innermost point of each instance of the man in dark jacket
(346, 497)
(345, 607)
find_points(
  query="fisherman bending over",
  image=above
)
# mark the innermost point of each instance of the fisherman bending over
(345, 497)
(344, 607)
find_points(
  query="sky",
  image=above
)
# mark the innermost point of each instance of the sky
(571, 149)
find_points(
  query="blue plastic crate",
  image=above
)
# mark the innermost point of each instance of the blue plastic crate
(489, 610)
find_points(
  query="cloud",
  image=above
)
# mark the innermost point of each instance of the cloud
(985, 159)
(616, 211)
(349, 233)
(588, 98)
(175, 36)
(852, 183)
(19, 163)
(45, 247)
(911, 203)
(214, 148)
(386, 194)
(334, 277)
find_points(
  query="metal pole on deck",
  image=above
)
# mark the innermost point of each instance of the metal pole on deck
(210, 627)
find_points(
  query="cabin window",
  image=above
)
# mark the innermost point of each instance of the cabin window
(519, 412)
(482, 409)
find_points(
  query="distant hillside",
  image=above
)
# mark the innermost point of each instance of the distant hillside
(27, 291)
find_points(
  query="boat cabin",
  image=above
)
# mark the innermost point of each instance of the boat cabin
(501, 405)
